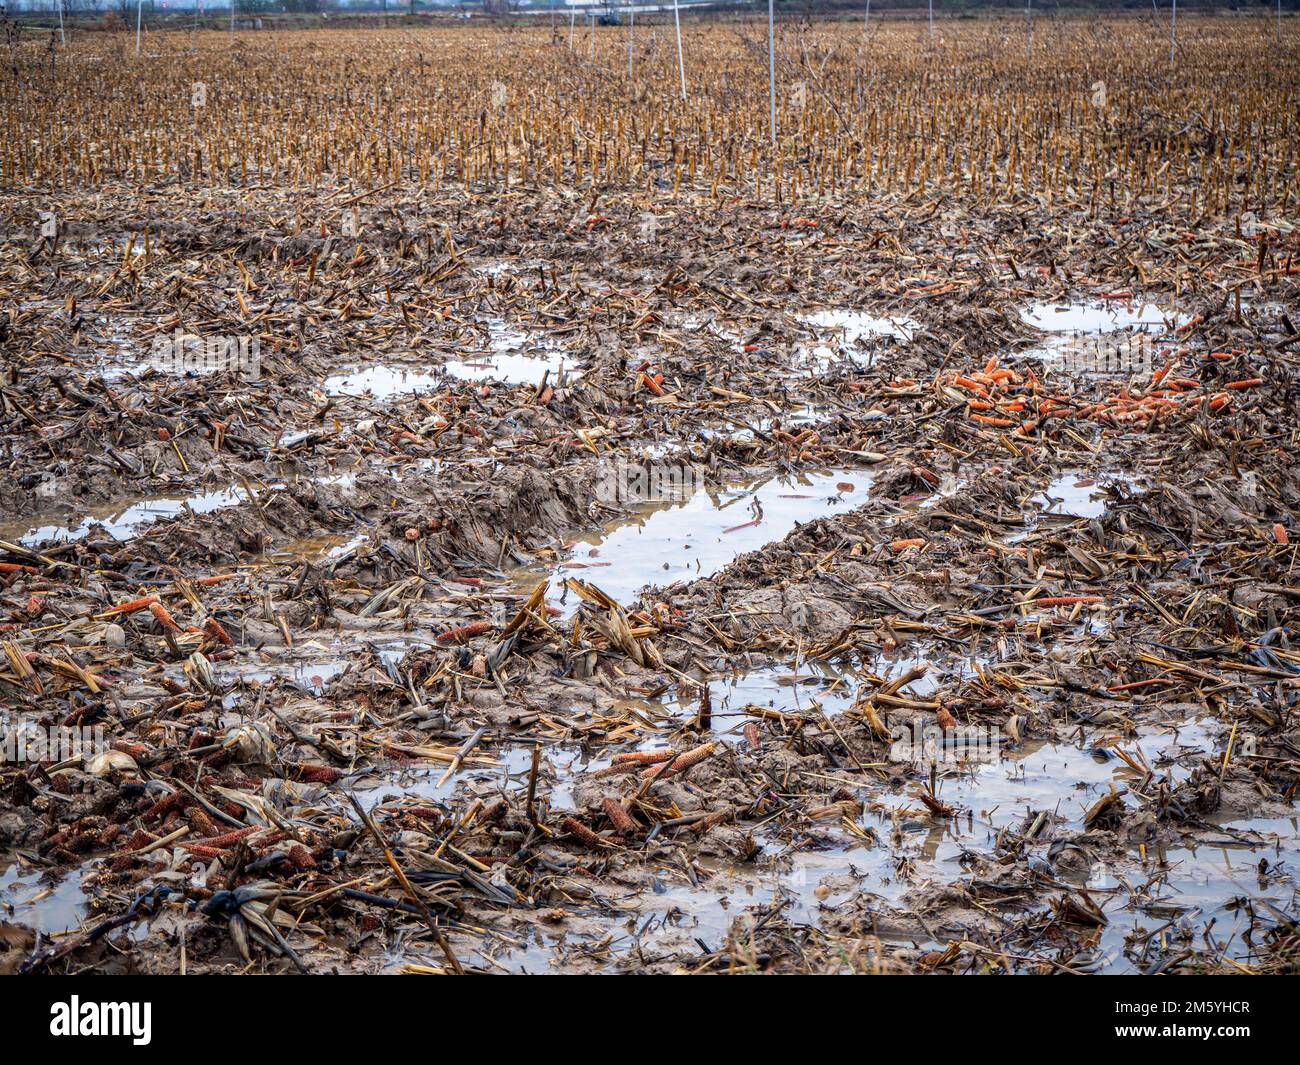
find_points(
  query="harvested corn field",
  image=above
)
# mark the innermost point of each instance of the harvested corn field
(492, 498)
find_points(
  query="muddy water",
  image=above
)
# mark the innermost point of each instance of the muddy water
(122, 520)
(775, 687)
(667, 542)
(1078, 495)
(1189, 890)
(313, 666)
(847, 330)
(514, 357)
(691, 909)
(491, 768)
(315, 549)
(793, 420)
(47, 905)
(814, 687)
(380, 382)
(125, 518)
(1003, 789)
(1102, 338)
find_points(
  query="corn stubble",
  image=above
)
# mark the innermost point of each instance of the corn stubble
(1082, 116)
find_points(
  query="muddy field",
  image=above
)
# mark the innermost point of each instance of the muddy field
(567, 548)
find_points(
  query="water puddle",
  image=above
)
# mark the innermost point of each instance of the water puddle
(47, 901)
(1099, 317)
(667, 542)
(852, 328)
(1077, 495)
(380, 382)
(894, 845)
(500, 267)
(773, 687)
(680, 913)
(488, 769)
(507, 361)
(122, 520)
(684, 912)
(422, 782)
(511, 369)
(311, 677)
(939, 667)
(1170, 898)
(793, 420)
(1003, 786)
(1100, 338)
(318, 550)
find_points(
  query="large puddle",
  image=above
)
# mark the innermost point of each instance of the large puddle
(1188, 893)
(1102, 337)
(667, 542)
(380, 382)
(895, 846)
(513, 357)
(844, 334)
(121, 521)
(875, 855)
(47, 901)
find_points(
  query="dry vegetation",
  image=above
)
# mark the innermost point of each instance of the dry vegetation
(980, 112)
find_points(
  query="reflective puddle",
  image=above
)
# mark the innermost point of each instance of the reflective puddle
(380, 382)
(1180, 896)
(668, 542)
(122, 520)
(1101, 317)
(849, 330)
(1078, 495)
(514, 357)
(1101, 338)
(49, 901)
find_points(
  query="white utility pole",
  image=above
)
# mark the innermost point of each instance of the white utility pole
(681, 63)
(931, 18)
(771, 61)
(64, 40)
(631, 41)
(866, 19)
(1173, 33)
(139, 16)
